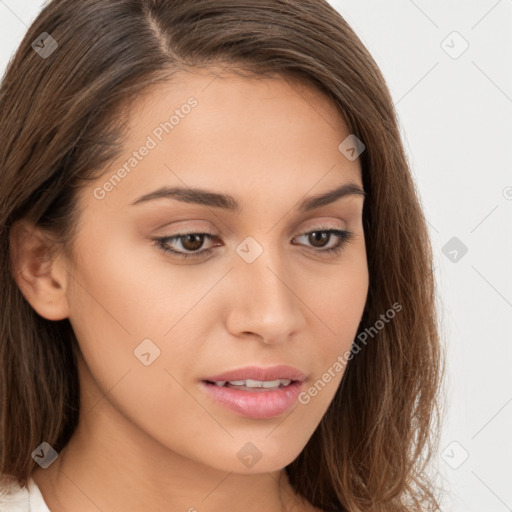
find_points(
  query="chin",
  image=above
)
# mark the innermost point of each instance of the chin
(255, 455)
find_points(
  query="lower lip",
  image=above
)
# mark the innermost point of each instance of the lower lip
(255, 404)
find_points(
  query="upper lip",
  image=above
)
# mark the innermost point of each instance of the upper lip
(269, 373)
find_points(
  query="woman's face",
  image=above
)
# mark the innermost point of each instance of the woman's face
(258, 287)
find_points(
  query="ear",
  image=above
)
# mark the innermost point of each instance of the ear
(39, 270)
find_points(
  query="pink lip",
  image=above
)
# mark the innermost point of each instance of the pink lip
(256, 404)
(282, 371)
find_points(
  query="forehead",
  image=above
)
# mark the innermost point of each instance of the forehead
(216, 88)
(221, 130)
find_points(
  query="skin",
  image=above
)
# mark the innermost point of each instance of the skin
(148, 437)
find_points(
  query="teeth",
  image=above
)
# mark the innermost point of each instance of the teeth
(250, 383)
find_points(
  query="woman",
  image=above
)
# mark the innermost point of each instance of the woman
(217, 278)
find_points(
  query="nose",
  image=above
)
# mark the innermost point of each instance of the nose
(263, 302)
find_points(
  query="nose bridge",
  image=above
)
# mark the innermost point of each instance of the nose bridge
(265, 303)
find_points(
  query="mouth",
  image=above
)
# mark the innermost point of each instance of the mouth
(254, 392)
(252, 386)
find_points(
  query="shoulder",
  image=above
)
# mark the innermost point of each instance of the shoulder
(14, 498)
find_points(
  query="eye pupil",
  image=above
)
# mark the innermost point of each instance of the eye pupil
(321, 236)
(196, 240)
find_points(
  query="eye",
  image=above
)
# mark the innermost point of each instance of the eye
(194, 241)
(320, 236)
(188, 241)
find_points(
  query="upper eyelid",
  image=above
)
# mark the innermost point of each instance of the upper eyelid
(212, 236)
(326, 225)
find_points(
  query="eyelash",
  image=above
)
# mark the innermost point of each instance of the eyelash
(162, 243)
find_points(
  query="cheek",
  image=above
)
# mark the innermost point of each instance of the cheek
(120, 311)
(339, 302)
(111, 308)
(124, 286)
(338, 308)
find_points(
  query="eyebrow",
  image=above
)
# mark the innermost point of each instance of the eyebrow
(229, 203)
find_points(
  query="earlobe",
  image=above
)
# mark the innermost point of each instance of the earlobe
(38, 270)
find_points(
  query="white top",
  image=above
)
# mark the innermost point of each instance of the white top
(14, 498)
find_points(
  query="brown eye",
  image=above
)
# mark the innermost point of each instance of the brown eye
(319, 238)
(192, 241)
(191, 244)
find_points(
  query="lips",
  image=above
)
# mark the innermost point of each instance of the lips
(259, 373)
(256, 402)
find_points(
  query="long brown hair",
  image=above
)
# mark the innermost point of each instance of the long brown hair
(61, 122)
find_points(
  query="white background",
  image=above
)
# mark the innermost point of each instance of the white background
(456, 121)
